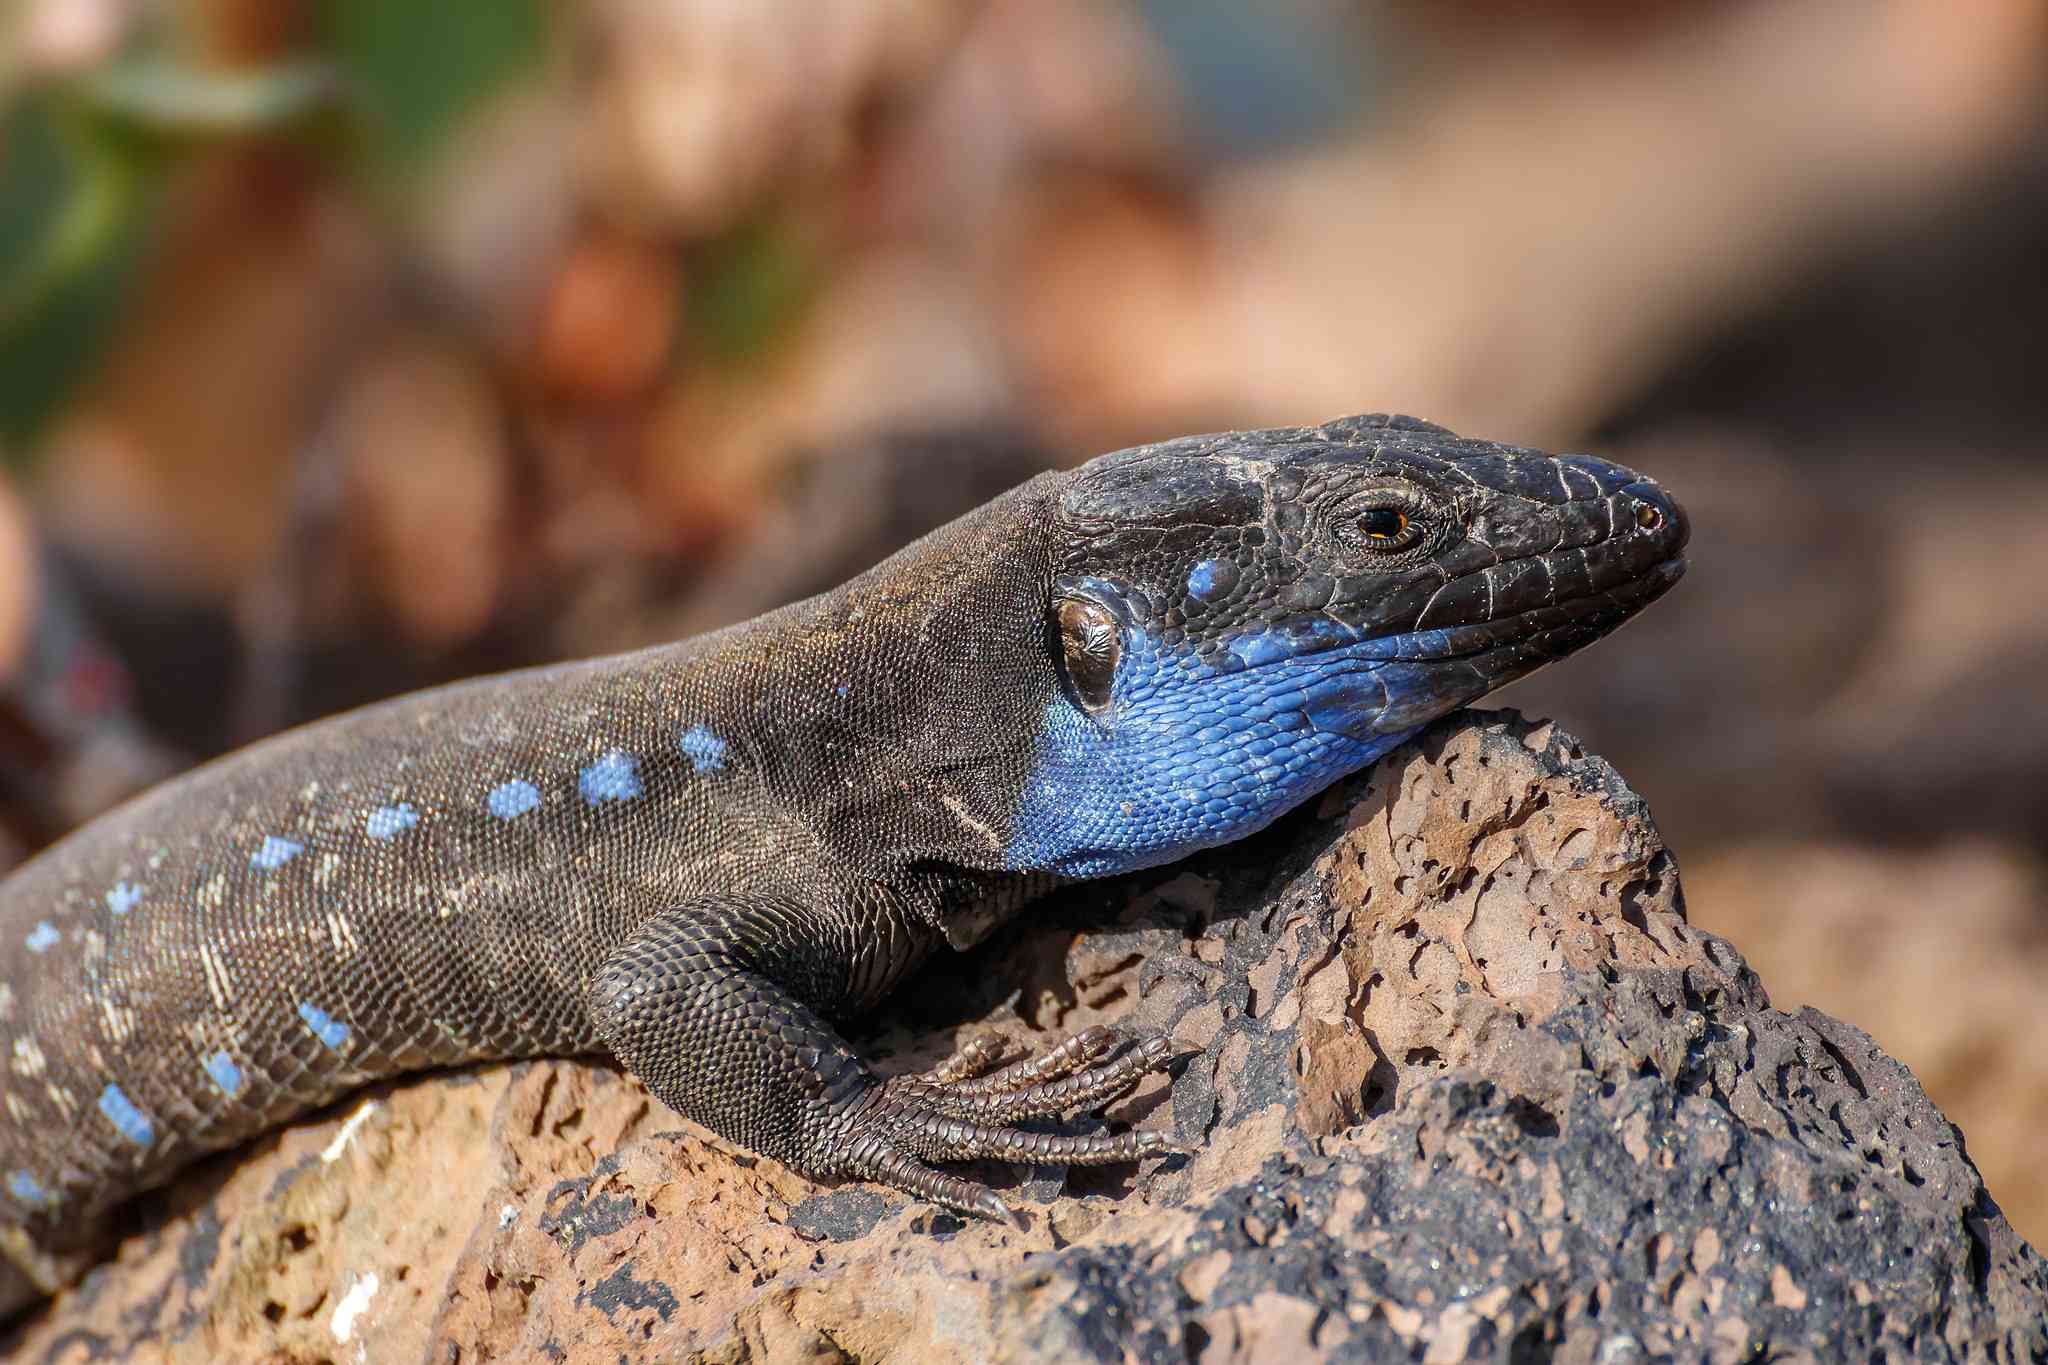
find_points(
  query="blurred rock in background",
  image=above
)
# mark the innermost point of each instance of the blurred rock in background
(347, 347)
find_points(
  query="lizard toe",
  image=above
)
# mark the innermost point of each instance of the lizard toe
(1081, 1089)
(1072, 1054)
(975, 1059)
(891, 1165)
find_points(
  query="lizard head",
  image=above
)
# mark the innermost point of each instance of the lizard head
(1238, 620)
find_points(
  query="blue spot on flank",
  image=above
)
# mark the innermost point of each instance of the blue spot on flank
(706, 751)
(124, 897)
(42, 938)
(842, 689)
(225, 1074)
(129, 1121)
(509, 800)
(330, 1031)
(388, 822)
(611, 778)
(1202, 580)
(26, 1189)
(275, 852)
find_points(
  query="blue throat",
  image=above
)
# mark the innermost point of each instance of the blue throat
(1192, 753)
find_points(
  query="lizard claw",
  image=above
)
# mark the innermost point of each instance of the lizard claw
(1169, 1145)
(959, 1111)
(989, 1206)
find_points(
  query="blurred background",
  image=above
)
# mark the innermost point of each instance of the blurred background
(348, 346)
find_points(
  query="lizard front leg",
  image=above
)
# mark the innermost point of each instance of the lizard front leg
(721, 1007)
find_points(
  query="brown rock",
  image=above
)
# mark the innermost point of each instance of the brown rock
(1941, 948)
(1467, 1085)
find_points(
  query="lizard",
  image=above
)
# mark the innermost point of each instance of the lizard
(704, 857)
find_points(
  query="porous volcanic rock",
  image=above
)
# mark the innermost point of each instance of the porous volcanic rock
(1465, 1082)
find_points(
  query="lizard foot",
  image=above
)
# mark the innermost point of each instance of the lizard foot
(963, 1109)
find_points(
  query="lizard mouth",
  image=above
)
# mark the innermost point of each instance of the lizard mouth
(1596, 612)
(1581, 618)
(1392, 684)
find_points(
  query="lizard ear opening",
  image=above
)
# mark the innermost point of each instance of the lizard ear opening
(1090, 646)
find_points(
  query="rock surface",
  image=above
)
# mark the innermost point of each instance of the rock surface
(1467, 1086)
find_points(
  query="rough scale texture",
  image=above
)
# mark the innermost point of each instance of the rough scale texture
(1470, 1088)
(703, 858)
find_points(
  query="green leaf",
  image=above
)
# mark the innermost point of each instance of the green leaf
(749, 289)
(420, 66)
(73, 214)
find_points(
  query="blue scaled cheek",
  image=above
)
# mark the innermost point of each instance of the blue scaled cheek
(1189, 755)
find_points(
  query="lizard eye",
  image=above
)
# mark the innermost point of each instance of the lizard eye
(1382, 523)
(1090, 646)
(1382, 528)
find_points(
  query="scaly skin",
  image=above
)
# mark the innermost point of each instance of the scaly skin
(701, 856)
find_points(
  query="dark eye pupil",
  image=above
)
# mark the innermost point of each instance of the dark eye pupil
(1382, 523)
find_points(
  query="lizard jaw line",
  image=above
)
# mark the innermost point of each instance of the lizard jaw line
(1440, 644)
